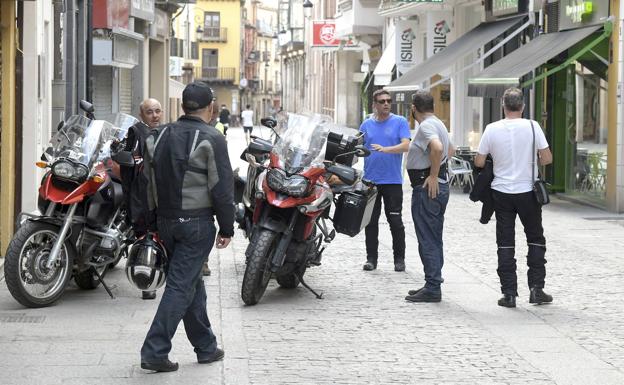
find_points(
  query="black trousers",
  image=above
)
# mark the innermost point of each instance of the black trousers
(392, 195)
(525, 206)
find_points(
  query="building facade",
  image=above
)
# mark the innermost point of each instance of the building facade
(220, 51)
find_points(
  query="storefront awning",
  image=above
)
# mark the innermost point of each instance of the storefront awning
(383, 71)
(469, 42)
(505, 73)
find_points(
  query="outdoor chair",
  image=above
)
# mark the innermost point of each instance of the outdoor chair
(460, 172)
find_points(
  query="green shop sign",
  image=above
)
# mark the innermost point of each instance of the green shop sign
(582, 13)
(577, 11)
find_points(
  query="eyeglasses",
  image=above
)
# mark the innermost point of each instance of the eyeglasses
(384, 101)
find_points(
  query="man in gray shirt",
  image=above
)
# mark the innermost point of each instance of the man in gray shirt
(426, 167)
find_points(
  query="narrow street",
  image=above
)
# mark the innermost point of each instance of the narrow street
(363, 331)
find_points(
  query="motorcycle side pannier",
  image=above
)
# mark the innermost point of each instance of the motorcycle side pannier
(340, 143)
(353, 211)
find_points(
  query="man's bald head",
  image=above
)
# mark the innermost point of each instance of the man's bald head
(150, 112)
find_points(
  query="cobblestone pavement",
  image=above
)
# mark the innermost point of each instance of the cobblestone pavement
(363, 331)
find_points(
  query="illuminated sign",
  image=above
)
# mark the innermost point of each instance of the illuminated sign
(582, 13)
(576, 12)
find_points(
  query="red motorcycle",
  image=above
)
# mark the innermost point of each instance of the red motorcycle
(291, 200)
(81, 230)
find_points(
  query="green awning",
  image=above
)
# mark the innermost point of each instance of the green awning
(508, 71)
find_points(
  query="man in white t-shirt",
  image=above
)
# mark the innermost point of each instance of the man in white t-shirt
(510, 142)
(247, 117)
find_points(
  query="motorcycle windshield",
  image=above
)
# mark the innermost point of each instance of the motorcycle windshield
(302, 144)
(83, 140)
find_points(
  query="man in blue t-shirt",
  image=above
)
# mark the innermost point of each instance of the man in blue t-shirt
(387, 136)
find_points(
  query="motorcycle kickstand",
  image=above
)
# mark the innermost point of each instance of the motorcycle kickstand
(318, 296)
(108, 290)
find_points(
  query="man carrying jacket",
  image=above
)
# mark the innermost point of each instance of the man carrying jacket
(190, 181)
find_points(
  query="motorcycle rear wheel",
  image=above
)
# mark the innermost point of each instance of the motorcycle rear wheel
(27, 278)
(258, 270)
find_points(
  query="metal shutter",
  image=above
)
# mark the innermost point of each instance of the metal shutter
(552, 12)
(125, 90)
(102, 91)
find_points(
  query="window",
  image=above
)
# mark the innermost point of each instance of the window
(210, 63)
(173, 49)
(212, 24)
(194, 50)
(180, 48)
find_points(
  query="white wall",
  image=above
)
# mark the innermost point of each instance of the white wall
(347, 91)
(36, 100)
(466, 111)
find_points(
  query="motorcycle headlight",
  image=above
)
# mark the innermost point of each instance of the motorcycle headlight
(294, 185)
(68, 170)
(63, 169)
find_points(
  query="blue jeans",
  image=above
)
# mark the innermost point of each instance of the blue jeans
(428, 216)
(188, 241)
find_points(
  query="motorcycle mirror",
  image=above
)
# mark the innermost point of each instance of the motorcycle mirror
(361, 151)
(124, 158)
(268, 122)
(86, 106)
(259, 147)
(345, 173)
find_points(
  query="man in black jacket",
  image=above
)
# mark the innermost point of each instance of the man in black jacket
(133, 182)
(190, 181)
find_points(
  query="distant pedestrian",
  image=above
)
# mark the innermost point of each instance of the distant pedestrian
(190, 181)
(387, 136)
(514, 143)
(224, 118)
(248, 121)
(426, 167)
(216, 120)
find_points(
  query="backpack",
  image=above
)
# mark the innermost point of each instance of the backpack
(134, 182)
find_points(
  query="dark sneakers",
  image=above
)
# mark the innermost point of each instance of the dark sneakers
(538, 296)
(507, 300)
(216, 356)
(161, 366)
(369, 266)
(412, 292)
(399, 266)
(424, 295)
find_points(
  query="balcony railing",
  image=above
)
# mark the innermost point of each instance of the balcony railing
(216, 74)
(215, 34)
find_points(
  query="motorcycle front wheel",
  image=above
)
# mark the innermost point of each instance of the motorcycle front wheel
(258, 270)
(28, 279)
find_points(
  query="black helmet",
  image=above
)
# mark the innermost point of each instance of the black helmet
(147, 264)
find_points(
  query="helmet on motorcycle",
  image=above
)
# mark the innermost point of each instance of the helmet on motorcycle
(147, 264)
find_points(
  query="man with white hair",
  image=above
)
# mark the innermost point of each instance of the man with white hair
(516, 145)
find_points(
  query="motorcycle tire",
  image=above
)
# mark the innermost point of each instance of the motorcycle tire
(257, 272)
(87, 280)
(13, 274)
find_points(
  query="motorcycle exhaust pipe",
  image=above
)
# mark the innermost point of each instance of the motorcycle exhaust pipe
(61, 236)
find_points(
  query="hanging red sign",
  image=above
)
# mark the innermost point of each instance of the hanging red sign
(324, 33)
